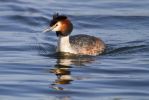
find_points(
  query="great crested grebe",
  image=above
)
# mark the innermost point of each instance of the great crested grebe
(78, 44)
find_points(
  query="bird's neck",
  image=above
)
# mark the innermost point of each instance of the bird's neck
(64, 44)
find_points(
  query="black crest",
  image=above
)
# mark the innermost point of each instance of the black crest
(56, 18)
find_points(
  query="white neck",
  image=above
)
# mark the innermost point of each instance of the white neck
(64, 44)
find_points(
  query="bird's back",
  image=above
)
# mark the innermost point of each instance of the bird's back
(87, 45)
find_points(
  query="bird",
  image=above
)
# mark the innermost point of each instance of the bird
(80, 44)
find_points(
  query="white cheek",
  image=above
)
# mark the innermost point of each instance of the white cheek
(57, 28)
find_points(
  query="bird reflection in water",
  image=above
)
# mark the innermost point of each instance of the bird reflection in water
(63, 68)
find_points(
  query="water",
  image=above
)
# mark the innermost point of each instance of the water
(30, 69)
